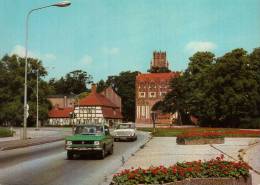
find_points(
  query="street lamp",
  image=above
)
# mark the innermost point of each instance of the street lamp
(37, 102)
(25, 114)
(77, 99)
(73, 114)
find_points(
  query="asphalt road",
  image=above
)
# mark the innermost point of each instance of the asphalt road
(47, 165)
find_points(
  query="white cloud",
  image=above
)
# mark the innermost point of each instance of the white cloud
(86, 59)
(20, 51)
(111, 51)
(195, 46)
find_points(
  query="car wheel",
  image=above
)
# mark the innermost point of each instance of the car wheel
(102, 154)
(69, 155)
(115, 139)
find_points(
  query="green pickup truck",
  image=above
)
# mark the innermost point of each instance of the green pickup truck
(90, 138)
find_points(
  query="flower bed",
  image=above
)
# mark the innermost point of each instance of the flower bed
(226, 132)
(196, 173)
(197, 138)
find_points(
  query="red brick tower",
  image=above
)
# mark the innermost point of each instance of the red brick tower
(151, 88)
(159, 60)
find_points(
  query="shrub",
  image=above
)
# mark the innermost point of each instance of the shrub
(4, 132)
(216, 168)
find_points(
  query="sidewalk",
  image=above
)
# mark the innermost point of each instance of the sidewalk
(165, 151)
(252, 157)
(35, 137)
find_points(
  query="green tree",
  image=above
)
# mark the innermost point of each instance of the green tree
(124, 85)
(101, 85)
(219, 91)
(235, 88)
(12, 90)
(74, 82)
(254, 64)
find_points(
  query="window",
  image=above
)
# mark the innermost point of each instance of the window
(142, 94)
(152, 94)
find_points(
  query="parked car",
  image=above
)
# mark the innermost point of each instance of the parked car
(125, 131)
(91, 138)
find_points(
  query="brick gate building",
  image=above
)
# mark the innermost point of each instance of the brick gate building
(151, 88)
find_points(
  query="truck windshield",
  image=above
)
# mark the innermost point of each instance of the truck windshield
(89, 130)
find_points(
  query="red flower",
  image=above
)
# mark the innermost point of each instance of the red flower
(189, 169)
(131, 175)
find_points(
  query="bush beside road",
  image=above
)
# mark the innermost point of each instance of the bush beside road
(5, 132)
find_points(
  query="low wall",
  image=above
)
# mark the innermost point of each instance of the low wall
(199, 141)
(213, 181)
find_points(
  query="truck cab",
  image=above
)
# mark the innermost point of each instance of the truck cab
(94, 139)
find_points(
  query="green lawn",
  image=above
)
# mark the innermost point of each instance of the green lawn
(226, 132)
(5, 132)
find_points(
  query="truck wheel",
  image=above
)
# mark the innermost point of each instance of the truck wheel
(69, 155)
(102, 154)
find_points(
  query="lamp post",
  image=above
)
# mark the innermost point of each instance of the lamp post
(77, 99)
(37, 100)
(60, 4)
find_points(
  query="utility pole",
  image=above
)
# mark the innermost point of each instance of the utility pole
(37, 101)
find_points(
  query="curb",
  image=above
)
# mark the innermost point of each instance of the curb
(15, 144)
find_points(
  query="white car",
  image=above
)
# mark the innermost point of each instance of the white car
(125, 131)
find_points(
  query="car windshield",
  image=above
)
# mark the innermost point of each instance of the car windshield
(125, 126)
(89, 130)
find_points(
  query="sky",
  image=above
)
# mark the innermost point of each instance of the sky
(105, 37)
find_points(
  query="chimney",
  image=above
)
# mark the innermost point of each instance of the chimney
(93, 88)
